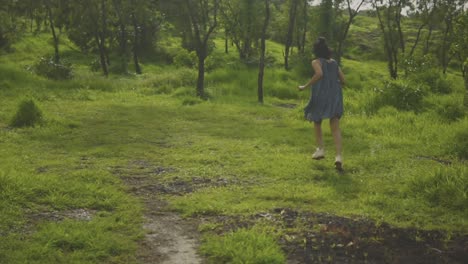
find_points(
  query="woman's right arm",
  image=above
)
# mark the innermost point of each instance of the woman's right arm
(317, 74)
(341, 77)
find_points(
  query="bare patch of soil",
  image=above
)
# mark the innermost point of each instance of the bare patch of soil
(323, 238)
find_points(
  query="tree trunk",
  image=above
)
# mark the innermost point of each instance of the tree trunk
(289, 36)
(465, 77)
(201, 75)
(102, 55)
(135, 49)
(428, 39)
(54, 35)
(417, 40)
(261, 64)
(339, 51)
(226, 42)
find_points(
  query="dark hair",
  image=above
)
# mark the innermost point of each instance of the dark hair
(321, 49)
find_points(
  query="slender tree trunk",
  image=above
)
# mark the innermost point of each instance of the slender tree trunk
(339, 51)
(390, 46)
(304, 31)
(54, 35)
(102, 55)
(445, 47)
(201, 75)
(428, 39)
(261, 64)
(226, 42)
(289, 36)
(465, 100)
(135, 49)
(418, 36)
(400, 31)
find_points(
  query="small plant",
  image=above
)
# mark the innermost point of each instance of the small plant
(192, 101)
(447, 187)
(48, 68)
(244, 246)
(451, 110)
(28, 115)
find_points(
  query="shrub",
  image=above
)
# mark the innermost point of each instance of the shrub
(422, 70)
(191, 101)
(451, 110)
(403, 95)
(460, 143)
(447, 187)
(28, 115)
(56, 71)
(184, 58)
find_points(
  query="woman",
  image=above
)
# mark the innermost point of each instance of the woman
(326, 100)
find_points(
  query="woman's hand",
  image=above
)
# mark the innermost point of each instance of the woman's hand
(301, 87)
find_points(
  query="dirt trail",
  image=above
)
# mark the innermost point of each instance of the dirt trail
(169, 239)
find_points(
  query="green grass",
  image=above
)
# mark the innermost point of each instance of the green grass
(92, 125)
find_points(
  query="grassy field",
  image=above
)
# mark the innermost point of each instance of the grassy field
(62, 202)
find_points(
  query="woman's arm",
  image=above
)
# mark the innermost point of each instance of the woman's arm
(317, 74)
(341, 77)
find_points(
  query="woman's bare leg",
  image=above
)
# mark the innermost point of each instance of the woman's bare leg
(336, 132)
(318, 134)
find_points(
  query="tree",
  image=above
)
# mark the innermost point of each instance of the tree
(89, 28)
(197, 21)
(389, 16)
(293, 4)
(460, 48)
(451, 9)
(50, 15)
(261, 64)
(242, 24)
(353, 11)
(425, 12)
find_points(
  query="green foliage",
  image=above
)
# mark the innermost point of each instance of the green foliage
(27, 115)
(168, 81)
(243, 246)
(403, 95)
(446, 187)
(48, 68)
(423, 70)
(185, 58)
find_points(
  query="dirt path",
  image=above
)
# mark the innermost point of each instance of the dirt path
(169, 239)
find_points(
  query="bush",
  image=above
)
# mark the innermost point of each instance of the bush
(403, 95)
(191, 101)
(447, 187)
(56, 71)
(422, 70)
(460, 143)
(184, 58)
(28, 115)
(451, 110)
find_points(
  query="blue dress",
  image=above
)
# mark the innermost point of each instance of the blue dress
(326, 100)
